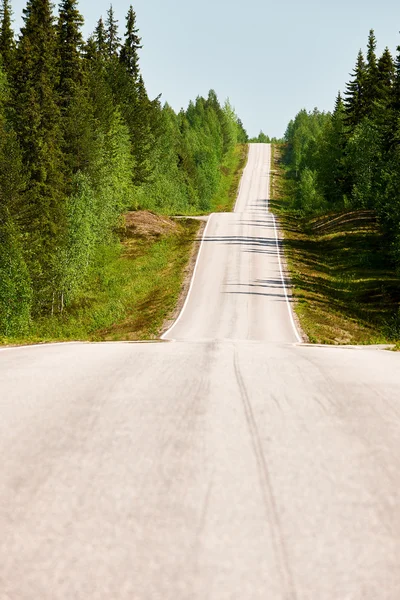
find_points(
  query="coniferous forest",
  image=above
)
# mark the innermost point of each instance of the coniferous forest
(350, 159)
(81, 142)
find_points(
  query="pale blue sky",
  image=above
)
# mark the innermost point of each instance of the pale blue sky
(270, 58)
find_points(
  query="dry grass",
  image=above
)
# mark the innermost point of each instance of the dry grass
(147, 224)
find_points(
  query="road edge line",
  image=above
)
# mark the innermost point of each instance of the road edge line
(289, 306)
(163, 336)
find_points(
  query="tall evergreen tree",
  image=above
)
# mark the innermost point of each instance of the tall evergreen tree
(7, 42)
(372, 75)
(382, 113)
(70, 45)
(396, 83)
(143, 137)
(386, 75)
(38, 125)
(355, 94)
(100, 37)
(129, 51)
(113, 41)
(334, 178)
(77, 112)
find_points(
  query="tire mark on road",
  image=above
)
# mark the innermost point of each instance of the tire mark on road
(267, 490)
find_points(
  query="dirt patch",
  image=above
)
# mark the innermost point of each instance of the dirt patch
(147, 224)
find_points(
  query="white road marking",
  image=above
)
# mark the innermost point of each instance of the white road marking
(164, 335)
(290, 311)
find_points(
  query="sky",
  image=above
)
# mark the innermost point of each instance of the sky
(270, 58)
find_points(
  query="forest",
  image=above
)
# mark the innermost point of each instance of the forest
(350, 158)
(81, 143)
(341, 206)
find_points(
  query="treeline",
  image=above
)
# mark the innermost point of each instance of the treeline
(350, 159)
(80, 143)
(263, 138)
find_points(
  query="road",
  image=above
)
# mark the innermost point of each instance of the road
(230, 463)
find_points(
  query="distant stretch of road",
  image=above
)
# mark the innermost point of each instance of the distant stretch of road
(238, 293)
(229, 462)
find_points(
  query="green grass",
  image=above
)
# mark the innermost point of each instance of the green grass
(345, 288)
(231, 171)
(130, 294)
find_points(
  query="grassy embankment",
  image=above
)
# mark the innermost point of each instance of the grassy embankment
(225, 198)
(139, 284)
(345, 287)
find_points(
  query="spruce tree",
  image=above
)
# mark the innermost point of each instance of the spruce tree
(336, 180)
(90, 48)
(70, 44)
(129, 51)
(392, 137)
(372, 75)
(113, 42)
(15, 284)
(77, 112)
(386, 72)
(382, 112)
(396, 83)
(38, 125)
(100, 38)
(146, 129)
(355, 94)
(7, 42)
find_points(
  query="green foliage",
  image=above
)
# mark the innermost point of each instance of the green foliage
(112, 40)
(15, 288)
(38, 126)
(7, 42)
(309, 199)
(355, 102)
(129, 51)
(304, 137)
(70, 44)
(81, 142)
(347, 164)
(364, 162)
(100, 37)
(188, 156)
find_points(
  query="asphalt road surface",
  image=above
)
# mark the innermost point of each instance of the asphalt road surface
(230, 463)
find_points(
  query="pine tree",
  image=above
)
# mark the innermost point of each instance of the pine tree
(7, 42)
(38, 125)
(113, 42)
(355, 94)
(70, 44)
(129, 51)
